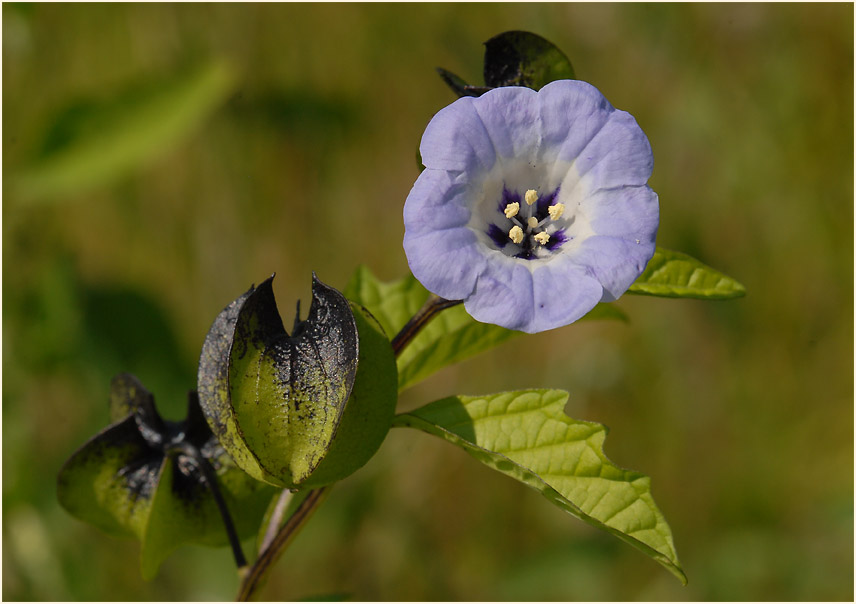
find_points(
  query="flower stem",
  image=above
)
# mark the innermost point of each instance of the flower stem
(256, 574)
(276, 518)
(433, 305)
(274, 545)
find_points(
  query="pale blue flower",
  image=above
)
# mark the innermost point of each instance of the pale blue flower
(533, 207)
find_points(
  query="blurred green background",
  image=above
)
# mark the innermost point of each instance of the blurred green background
(158, 159)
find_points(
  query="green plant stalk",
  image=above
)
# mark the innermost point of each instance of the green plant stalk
(276, 518)
(433, 305)
(252, 578)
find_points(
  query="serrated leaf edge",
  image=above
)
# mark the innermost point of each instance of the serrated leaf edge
(528, 477)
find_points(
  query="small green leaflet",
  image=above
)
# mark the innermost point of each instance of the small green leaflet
(526, 435)
(450, 337)
(675, 275)
(98, 143)
(515, 58)
(521, 58)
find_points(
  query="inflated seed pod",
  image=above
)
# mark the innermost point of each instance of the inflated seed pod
(300, 409)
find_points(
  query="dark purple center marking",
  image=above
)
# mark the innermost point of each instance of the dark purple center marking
(556, 240)
(507, 198)
(499, 231)
(499, 237)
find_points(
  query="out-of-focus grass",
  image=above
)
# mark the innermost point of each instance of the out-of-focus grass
(742, 412)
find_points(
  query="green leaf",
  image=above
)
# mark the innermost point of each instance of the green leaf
(521, 58)
(675, 275)
(97, 145)
(275, 400)
(391, 303)
(527, 436)
(449, 338)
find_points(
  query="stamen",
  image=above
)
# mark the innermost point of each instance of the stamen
(512, 209)
(542, 238)
(532, 222)
(531, 196)
(556, 210)
(515, 234)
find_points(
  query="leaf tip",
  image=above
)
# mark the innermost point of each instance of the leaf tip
(678, 572)
(739, 289)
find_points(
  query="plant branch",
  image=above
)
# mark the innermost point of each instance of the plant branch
(252, 580)
(411, 329)
(276, 518)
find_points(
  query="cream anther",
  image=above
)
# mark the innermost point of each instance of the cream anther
(515, 234)
(542, 238)
(512, 209)
(531, 196)
(532, 222)
(556, 210)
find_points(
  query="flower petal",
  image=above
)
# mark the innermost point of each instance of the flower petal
(503, 294)
(625, 222)
(456, 139)
(564, 293)
(572, 113)
(628, 212)
(618, 155)
(508, 293)
(510, 116)
(436, 201)
(446, 262)
(443, 254)
(615, 262)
